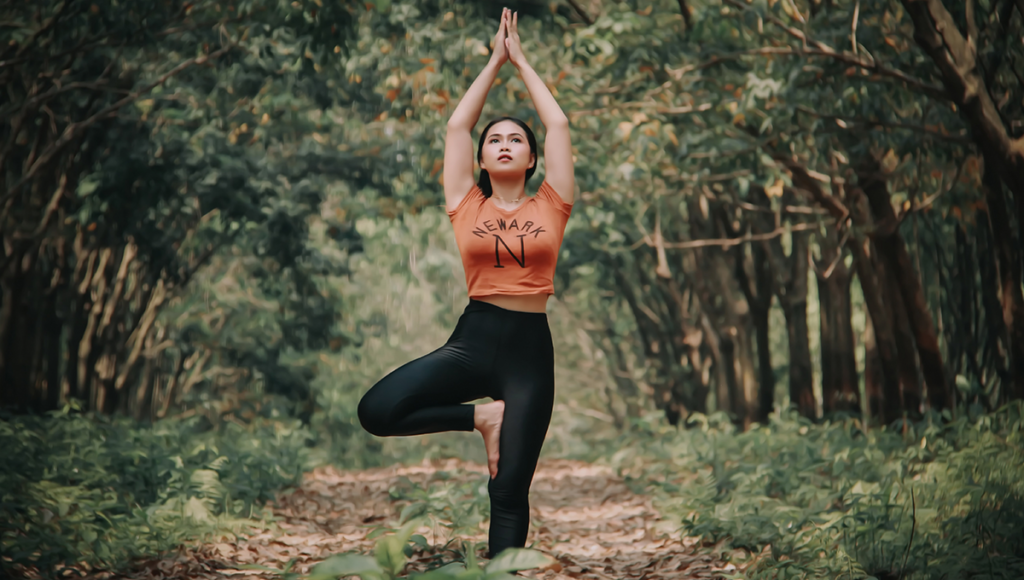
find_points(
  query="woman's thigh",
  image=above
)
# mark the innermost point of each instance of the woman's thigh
(420, 396)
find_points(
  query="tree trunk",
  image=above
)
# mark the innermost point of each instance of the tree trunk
(747, 375)
(759, 299)
(894, 253)
(993, 335)
(689, 340)
(618, 367)
(16, 361)
(1009, 268)
(734, 323)
(890, 369)
(655, 343)
(793, 299)
(757, 290)
(733, 388)
(910, 376)
(51, 334)
(723, 400)
(839, 390)
(801, 391)
(725, 321)
(961, 334)
(872, 284)
(765, 372)
(874, 378)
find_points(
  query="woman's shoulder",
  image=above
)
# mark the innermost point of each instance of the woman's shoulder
(547, 193)
(471, 197)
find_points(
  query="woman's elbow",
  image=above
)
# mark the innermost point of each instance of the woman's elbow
(456, 124)
(559, 121)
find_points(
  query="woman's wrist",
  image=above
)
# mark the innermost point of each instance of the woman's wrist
(495, 63)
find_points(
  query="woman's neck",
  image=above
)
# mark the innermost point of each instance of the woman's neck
(508, 190)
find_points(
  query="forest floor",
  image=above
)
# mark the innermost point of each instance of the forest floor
(583, 515)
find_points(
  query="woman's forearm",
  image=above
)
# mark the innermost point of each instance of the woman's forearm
(467, 113)
(547, 108)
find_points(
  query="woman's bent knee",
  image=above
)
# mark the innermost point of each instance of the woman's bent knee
(373, 416)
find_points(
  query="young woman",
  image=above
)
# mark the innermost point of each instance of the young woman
(501, 347)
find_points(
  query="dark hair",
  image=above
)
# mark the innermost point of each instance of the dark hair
(484, 183)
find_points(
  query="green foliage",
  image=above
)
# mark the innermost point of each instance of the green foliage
(462, 507)
(403, 295)
(87, 491)
(176, 135)
(391, 553)
(835, 501)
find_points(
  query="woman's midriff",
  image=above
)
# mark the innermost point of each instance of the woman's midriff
(523, 303)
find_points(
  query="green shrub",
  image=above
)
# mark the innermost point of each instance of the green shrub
(392, 552)
(94, 491)
(944, 499)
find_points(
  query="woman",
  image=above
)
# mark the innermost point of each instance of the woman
(501, 347)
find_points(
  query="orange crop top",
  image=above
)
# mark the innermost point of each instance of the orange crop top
(510, 252)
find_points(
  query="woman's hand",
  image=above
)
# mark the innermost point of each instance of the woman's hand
(512, 45)
(500, 53)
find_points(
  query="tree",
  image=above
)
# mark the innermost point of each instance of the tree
(125, 174)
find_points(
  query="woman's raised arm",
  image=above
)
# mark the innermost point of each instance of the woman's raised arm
(458, 142)
(558, 165)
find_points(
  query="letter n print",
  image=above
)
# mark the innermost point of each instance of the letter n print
(521, 259)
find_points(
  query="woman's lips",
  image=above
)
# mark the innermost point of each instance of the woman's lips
(504, 158)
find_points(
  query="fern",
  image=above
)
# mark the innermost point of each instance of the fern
(945, 499)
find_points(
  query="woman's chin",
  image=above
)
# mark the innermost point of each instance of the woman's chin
(507, 173)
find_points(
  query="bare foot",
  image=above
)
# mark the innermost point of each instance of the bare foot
(487, 420)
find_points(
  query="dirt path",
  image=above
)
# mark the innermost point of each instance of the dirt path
(583, 515)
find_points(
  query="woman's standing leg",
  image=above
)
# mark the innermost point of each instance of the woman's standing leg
(526, 383)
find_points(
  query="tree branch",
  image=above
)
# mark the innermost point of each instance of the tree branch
(853, 27)
(579, 10)
(43, 29)
(844, 122)
(685, 11)
(806, 179)
(138, 336)
(727, 242)
(936, 32)
(653, 107)
(72, 130)
(794, 209)
(826, 50)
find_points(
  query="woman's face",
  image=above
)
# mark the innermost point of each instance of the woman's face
(506, 150)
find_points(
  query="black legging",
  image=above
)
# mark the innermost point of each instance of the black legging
(502, 354)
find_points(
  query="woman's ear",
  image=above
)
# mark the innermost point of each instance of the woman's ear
(533, 160)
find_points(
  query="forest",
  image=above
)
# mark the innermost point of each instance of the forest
(788, 314)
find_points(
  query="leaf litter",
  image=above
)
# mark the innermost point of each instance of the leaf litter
(582, 514)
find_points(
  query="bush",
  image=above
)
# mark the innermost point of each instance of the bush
(92, 491)
(942, 499)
